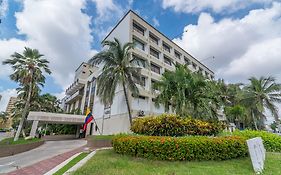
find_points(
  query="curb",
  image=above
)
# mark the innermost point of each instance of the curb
(59, 166)
(83, 161)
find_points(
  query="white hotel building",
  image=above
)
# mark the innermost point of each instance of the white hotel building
(152, 47)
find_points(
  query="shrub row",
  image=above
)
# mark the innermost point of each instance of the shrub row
(181, 148)
(173, 125)
(272, 142)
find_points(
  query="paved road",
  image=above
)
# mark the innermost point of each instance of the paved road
(48, 150)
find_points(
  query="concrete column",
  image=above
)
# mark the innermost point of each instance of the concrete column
(90, 92)
(34, 128)
(83, 99)
(77, 131)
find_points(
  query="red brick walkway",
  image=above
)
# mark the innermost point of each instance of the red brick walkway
(44, 166)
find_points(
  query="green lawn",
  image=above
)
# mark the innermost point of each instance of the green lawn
(71, 164)
(10, 141)
(107, 162)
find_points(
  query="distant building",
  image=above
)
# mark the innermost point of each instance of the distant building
(155, 53)
(11, 104)
(9, 110)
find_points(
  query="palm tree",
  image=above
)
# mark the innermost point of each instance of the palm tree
(48, 103)
(261, 94)
(119, 69)
(187, 93)
(4, 116)
(28, 71)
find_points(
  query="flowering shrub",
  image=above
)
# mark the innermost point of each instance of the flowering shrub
(272, 142)
(181, 148)
(173, 125)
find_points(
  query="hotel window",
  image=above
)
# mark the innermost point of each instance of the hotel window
(154, 53)
(139, 61)
(194, 66)
(138, 44)
(167, 61)
(138, 28)
(153, 38)
(212, 77)
(166, 47)
(141, 81)
(177, 55)
(186, 61)
(155, 68)
(201, 71)
(153, 85)
(207, 74)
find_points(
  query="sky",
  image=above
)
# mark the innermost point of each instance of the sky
(244, 36)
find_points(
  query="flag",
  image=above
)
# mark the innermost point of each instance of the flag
(88, 119)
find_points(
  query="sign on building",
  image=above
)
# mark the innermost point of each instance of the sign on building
(257, 153)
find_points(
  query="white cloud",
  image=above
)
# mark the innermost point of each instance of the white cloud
(155, 22)
(59, 30)
(6, 94)
(8, 47)
(108, 13)
(195, 6)
(4, 5)
(244, 47)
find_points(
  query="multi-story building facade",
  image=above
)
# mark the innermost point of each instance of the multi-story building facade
(9, 111)
(75, 100)
(155, 53)
(10, 105)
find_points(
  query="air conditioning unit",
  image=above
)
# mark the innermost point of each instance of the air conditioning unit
(141, 113)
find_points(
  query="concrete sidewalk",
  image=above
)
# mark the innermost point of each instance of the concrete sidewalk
(42, 158)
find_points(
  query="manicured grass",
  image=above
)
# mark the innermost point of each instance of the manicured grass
(10, 141)
(101, 137)
(71, 164)
(107, 162)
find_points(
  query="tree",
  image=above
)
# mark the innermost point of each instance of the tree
(119, 69)
(261, 94)
(187, 93)
(48, 103)
(28, 72)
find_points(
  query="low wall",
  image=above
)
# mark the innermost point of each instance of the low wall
(59, 137)
(9, 150)
(98, 143)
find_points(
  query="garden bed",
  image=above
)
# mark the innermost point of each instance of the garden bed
(8, 147)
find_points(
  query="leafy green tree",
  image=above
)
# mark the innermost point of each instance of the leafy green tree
(235, 114)
(274, 126)
(28, 71)
(119, 69)
(261, 94)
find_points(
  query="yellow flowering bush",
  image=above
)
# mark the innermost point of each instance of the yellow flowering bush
(173, 125)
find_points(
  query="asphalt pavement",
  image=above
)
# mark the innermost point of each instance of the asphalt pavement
(45, 151)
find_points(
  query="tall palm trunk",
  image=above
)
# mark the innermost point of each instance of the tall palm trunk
(254, 120)
(127, 102)
(26, 106)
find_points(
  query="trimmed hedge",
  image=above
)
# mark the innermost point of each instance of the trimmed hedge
(181, 148)
(272, 142)
(173, 125)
